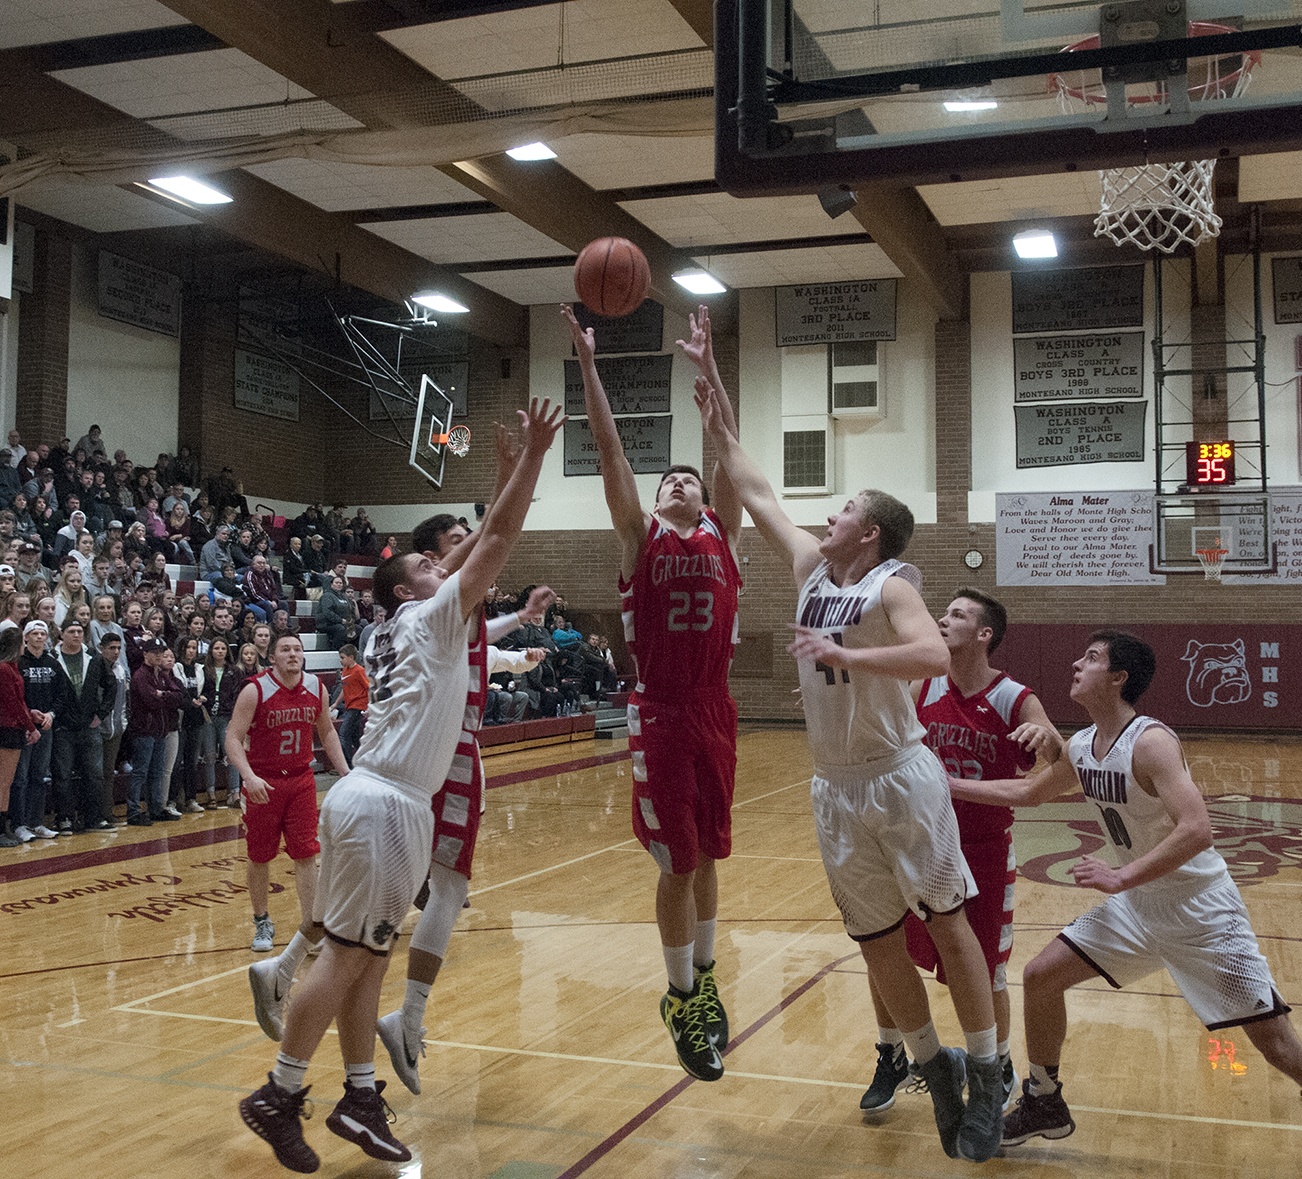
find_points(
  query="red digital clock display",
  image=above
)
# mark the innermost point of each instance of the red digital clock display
(1209, 464)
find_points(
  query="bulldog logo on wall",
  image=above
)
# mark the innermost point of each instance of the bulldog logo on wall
(1218, 673)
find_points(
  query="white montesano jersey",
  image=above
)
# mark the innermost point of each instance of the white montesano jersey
(419, 671)
(853, 719)
(1136, 821)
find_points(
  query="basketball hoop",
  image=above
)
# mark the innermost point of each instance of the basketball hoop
(1159, 206)
(1212, 561)
(459, 441)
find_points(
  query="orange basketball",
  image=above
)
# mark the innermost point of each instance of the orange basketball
(611, 276)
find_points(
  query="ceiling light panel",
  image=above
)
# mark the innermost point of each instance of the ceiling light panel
(183, 83)
(719, 219)
(45, 22)
(528, 38)
(483, 238)
(341, 187)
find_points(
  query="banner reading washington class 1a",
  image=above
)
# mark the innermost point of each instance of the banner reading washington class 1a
(832, 312)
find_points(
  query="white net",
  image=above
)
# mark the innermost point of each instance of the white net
(1212, 561)
(1159, 206)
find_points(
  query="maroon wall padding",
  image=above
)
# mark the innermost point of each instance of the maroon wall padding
(1212, 676)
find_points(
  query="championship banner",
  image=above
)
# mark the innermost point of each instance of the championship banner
(633, 384)
(1090, 366)
(1065, 433)
(835, 312)
(139, 295)
(1078, 300)
(645, 439)
(265, 386)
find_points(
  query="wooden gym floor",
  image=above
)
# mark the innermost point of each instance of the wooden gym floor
(128, 1034)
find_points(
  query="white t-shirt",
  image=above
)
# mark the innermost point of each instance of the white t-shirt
(418, 665)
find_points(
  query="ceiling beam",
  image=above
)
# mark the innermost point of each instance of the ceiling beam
(322, 48)
(699, 15)
(263, 215)
(900, 222)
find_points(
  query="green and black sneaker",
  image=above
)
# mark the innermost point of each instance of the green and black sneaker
(716, 1018)
(684, 1016)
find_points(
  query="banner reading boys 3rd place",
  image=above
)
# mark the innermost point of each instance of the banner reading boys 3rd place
(1058, 368)
(1078, 300)
(832, 312)
(645, 439)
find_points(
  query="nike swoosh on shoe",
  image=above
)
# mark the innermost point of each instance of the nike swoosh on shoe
(358, 1128)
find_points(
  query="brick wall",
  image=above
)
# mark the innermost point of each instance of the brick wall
(41, 410)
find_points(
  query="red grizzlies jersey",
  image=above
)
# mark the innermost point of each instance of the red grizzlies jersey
(970, 736)
(284, 725)
(466, 766)
(680, 611)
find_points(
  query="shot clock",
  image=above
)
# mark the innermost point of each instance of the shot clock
(1209, 464)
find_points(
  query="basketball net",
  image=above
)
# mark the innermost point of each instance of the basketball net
(457, 440)
(1212, 561)
(1159, 206)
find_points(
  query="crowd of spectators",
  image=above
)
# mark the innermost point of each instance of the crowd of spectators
(106, 668)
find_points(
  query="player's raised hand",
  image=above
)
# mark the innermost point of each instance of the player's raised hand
(585, 342)
(699, 348)
(1091, 872)
(706, 397)
(538, 425)
(1039, 740)
(535, 609)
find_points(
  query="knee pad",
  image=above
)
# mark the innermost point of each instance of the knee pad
(447, 895)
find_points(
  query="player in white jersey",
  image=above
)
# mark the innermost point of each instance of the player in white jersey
(377, 822)
(886, 829)
(1171, 902)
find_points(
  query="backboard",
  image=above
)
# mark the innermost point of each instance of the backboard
(816, 94)
(429, 437)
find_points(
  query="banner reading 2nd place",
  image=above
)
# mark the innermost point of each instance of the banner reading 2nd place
(1090, 432)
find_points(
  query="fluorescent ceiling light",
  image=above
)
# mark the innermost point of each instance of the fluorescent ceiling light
(699, 282)
(531, 151)
(437, 302)
(1035, 243)
(196, 192)
(970, 104)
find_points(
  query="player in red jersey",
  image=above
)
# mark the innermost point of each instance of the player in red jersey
(279, 713)
(678, 583)
(970, 715)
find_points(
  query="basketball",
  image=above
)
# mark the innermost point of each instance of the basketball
(611, 276)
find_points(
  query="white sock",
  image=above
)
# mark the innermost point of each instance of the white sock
(922, 1044)
(981, 1045)
(360, 1076)
(413, 1006)
(291, 957)
(1002, 1049)
(1043, 1081)
(289, 1072)
(892, 1036)
(678, 961)
(703, 951)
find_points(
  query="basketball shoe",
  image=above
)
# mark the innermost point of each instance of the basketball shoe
(892, 1072)
(982, 1127)
(268, 997)
(1042, 1117)
(405, 1056)
(1011, 1082)
(276, 1117)
(716, 1018)
(945, 1073)
(264, 934)
(363, 1117)
(694, 1043)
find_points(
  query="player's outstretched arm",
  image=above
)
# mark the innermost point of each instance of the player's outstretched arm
(534, 610)
(1055, 780)
(630, 521)
(699, 349)
(1159, 769)
(507, 450)
(500, 531)
(755, 491)
(1036, 732)
(237, 729)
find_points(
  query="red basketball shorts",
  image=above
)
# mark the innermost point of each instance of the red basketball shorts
(290, 810)
(456, 817)
(684, 770)
(990, 912)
